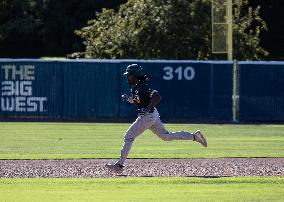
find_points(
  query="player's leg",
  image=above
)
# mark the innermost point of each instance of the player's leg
(159, 129)
(139, 126)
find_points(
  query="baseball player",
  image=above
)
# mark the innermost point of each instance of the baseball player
(145, 99)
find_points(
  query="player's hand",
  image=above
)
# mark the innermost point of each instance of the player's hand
(125, 97)
(142, 110)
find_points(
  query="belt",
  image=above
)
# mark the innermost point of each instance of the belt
(150, 111)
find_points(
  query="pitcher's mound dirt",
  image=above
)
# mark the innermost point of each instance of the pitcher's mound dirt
(87, 168)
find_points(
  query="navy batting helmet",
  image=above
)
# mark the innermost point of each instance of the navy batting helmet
(135, 70)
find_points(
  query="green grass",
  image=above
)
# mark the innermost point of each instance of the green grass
(144, 189)
(101, 140)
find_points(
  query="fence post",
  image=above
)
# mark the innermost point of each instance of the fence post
(119, 91)
(235, 97)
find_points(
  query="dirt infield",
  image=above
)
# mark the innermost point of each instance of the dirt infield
(90, 168)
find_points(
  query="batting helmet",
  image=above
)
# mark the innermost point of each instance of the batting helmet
(135, 70)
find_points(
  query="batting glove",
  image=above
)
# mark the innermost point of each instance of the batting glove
(126, 98)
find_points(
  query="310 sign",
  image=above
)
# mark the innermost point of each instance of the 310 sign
(179, 73)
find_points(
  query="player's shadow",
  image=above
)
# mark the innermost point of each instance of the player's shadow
(196, 176)
(209, 176)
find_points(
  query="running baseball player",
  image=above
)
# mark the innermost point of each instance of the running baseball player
(145, 99)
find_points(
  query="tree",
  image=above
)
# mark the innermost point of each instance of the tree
(62, 18)
(19, 22)
(248, 25)
(34, 28)
(171, 29)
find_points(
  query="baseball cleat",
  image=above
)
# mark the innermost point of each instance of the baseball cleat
(198, 137)
(117, 168)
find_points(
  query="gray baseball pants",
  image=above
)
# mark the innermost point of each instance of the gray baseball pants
(152, 122)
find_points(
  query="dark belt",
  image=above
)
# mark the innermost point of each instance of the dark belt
(150, 111)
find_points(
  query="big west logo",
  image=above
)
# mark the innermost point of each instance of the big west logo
(17, 90)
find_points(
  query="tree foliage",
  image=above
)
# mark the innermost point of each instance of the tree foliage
(168, 29)
(45, 27)
(248, 25)
(19, 20)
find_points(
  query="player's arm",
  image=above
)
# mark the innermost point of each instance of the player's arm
(155, 100)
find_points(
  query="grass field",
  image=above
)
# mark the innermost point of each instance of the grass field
(101, 140)
(143, 189)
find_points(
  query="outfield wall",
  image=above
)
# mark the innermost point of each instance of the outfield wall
(191, 90)
(261, 91)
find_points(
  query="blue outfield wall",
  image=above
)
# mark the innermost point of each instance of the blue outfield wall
(261, 91)
(59, 89)
(191, 90)
(91, 89)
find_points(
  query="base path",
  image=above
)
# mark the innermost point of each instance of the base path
(87, 168)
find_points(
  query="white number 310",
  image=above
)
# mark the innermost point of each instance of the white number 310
(187, 73)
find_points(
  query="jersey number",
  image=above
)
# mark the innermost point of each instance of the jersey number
(187, 73)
